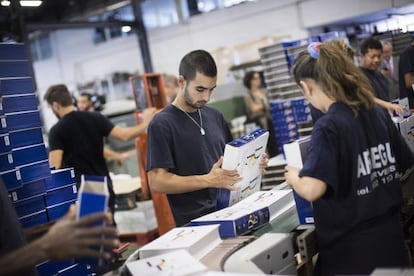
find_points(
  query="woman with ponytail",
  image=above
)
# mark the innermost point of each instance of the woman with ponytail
(351, 173)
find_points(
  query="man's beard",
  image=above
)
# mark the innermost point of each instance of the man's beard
(188, 100)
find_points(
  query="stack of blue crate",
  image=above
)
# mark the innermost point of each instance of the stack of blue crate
(287, 115)
(23, 158)
(38, 195)
(285, 126)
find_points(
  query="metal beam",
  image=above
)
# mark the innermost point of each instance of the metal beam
(142, 36)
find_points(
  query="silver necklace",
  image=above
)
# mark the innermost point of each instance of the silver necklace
(202, 131)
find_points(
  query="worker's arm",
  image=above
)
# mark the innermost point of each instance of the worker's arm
(409, 79)
(68, 238)
(309, 188)
(390, 107)
(55, 158)
(128, 133)
(162, 181)
(120, 157)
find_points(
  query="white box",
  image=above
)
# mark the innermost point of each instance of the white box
(250, 213)
(177, 262)
(244, 155)
(295, 153)
(197, 240)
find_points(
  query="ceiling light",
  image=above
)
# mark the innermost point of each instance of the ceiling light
(126, 29)
(30, 3)
(5, 3)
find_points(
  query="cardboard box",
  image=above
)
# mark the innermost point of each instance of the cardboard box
(60, 178)
(248, 214)
(295, 153)
(175, 263)
(197, 240)
(244, 155)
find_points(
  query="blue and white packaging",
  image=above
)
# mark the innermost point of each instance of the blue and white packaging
(93, 198)
(250, 213)
(244, 155)
(295, 153)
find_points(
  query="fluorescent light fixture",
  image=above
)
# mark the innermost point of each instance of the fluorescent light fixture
(30, 3)
(126, 29)
(5, 3)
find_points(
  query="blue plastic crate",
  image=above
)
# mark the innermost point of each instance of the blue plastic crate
(10, 104)
(52, 268)
(22, 120)
(34, 219)
(60, 195)
(28, 190)
(29, 206)
(11, 179)
(6, 162)
(60, 178)
(34, 171)
(29, 154)
(14, 69)
(25, 137)
(15, 51)
(57, 211)
(16, 86)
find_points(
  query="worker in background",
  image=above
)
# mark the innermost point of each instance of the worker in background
(406, 73)
(66, 239)
(186, 142)
(76, 140)
(84, 103)
(351, 172)
(389, 68)
(171, 87)
(370, 62)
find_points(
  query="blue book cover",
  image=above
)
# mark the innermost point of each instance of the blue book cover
(244, 155)
(93, 198)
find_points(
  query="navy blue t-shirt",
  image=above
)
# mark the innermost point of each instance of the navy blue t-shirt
(378, 82)
(175, 143)
(406, 65)
(359, 159)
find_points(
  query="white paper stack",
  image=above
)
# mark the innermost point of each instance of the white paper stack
(197, 240)
(244, 155)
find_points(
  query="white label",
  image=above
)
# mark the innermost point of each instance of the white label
(10, 158)
(75, 190)
(3, 123)
(72, 173)
(18, 175)
(14, 196)
(7, 140)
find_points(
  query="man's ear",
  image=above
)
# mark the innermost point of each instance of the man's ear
(181, 82)
(307, 87)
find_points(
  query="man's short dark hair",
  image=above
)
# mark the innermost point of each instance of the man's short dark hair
(370, 43)
(58, 93)
(197, 61)
(87, 95)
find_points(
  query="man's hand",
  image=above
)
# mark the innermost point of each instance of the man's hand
(263, 162)
(69, 238)
(220, 178)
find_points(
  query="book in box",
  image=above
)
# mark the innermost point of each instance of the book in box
(197, 240)
(244, 155)
(250, 213)
(295, 153)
